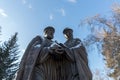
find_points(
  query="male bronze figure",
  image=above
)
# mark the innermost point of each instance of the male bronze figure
(40, 60)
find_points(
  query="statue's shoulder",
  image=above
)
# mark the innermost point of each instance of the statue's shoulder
(38, 39)
(77, 40)
(35, 41)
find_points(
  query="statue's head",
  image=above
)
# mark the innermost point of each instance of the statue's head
(68, 33)
(49, 32)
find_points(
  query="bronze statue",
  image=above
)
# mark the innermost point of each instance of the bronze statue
(40, 60)
(45, 59)
(75, 48)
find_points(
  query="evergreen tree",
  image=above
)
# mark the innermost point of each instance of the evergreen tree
(8, 58)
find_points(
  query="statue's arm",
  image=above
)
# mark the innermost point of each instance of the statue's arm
(45, 53)
(37, 39)
(81, 50)
(25, 56)
(69, 54)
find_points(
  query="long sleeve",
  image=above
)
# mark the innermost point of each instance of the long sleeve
(44, 54)
(69, 54)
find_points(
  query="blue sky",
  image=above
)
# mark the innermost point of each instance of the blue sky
(30, 17)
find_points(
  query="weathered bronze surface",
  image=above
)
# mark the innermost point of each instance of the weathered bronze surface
(45, 59)
(75, 48)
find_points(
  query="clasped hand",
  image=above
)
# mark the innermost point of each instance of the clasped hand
(56, 49)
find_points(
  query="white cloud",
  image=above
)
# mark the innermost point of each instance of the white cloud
(51, 17)
(30, 6)
(62, 11)
(72, 1)
(24, 1)
(2, 13)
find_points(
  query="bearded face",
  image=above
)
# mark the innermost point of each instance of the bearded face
(49, 34)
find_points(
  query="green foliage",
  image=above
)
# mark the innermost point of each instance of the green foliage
(8, 58)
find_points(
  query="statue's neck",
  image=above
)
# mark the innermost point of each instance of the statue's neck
(47, 39)
(70, 39)
(47, 42)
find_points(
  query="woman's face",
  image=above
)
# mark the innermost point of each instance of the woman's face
(68, 35)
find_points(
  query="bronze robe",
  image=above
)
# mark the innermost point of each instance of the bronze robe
(80, 68)
(38, 64)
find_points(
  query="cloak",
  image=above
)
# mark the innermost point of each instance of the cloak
(29, 59)
(80, 59)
